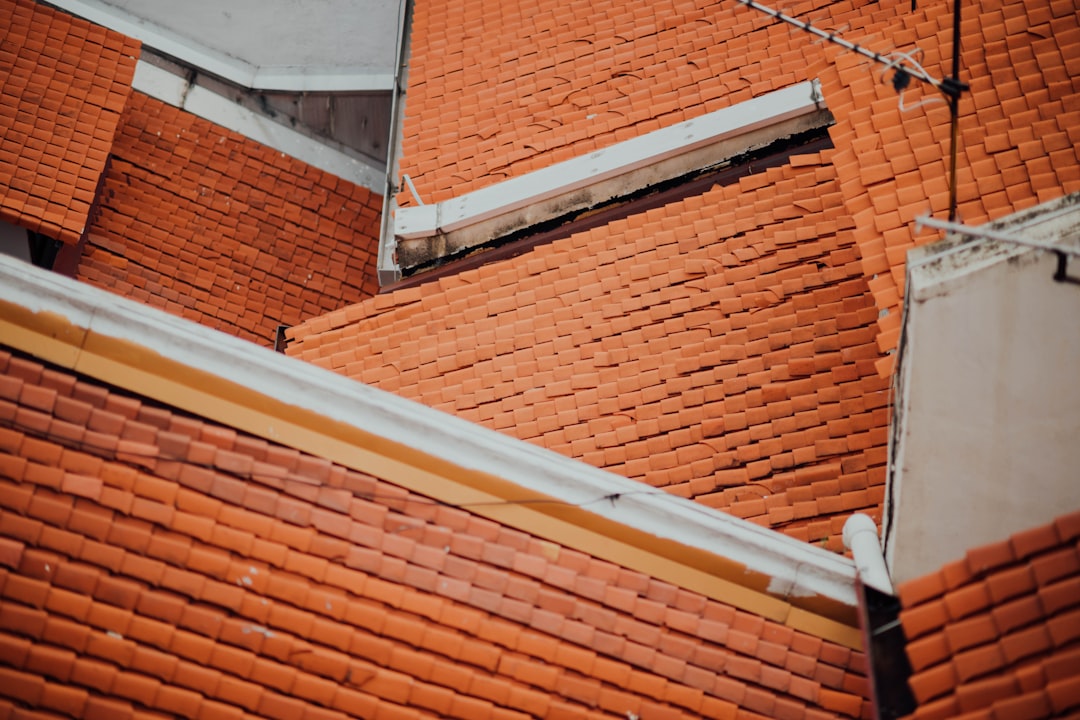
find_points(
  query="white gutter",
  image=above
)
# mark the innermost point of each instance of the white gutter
(616, 171)
(205, 103)
(797, 569)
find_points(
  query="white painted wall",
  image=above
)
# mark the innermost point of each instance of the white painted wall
(987, 441)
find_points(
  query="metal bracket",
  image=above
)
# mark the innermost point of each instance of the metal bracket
(1061, 274)
(1062, 253)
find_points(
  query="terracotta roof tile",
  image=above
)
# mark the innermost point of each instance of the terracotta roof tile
(998, 656)
(1002, 169)
(237, 238)
(52, 116)
(778, 272)
(661, 387)
(183, 604)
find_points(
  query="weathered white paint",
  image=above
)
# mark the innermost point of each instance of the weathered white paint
(861, 538)
(796, 568)
(616, 171)
(298, 45)
(987, 400)
(205, 103)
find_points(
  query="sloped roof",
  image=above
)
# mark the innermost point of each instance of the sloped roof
(997, 633)
(209, 225)
(1019, 140)
(65, 84)
(153, 561)
(557, 80)
(339, 45)
(721, 347)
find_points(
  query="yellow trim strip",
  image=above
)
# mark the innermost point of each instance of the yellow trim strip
(136, 368)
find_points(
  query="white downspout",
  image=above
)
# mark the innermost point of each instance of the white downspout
(861, 538)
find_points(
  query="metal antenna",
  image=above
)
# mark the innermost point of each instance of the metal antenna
(951, 87)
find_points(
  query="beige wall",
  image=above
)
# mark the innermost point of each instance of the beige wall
(987, 421)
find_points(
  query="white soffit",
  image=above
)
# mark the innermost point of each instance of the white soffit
(205, 103)
(287, 45)
(524, 192)
(796, 569)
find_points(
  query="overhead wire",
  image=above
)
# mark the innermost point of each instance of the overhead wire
(904, 67)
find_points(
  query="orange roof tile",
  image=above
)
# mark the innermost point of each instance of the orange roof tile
(209, 225)
(693, 347)
(552, 81)
(1015, 149)
(721, 347)
(65, 85)
(534, 83)
(998, 633)
(236, 577)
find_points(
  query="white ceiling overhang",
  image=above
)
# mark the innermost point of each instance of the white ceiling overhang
(284, 45)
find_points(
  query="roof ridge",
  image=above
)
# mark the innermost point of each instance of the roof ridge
(494, 473)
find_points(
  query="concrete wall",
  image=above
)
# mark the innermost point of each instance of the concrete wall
(987, 423)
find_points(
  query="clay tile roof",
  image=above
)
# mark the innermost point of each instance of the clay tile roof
(209, 225)
(1019, 142)
(721, 347)
(65, 85)
(156, 563)
(998, 633)
(498, 93)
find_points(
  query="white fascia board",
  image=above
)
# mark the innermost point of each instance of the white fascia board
(619, 159)
(233, 69)
(796, 569)
(316, 79)
(176, 91)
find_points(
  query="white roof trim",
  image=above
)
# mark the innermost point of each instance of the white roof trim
(622, 168)
(178, 92)
(797, 569)
(284, 78)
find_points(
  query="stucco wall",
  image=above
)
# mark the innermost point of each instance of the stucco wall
(987, 435)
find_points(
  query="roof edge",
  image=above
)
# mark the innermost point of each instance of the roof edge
(966, 249)
(288, 401)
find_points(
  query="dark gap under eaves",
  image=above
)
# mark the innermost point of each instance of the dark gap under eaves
(522, 241)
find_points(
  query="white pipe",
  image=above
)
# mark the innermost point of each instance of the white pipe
(861, 538)
(984, 234)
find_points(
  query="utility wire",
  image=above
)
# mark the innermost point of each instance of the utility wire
(905, 69)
